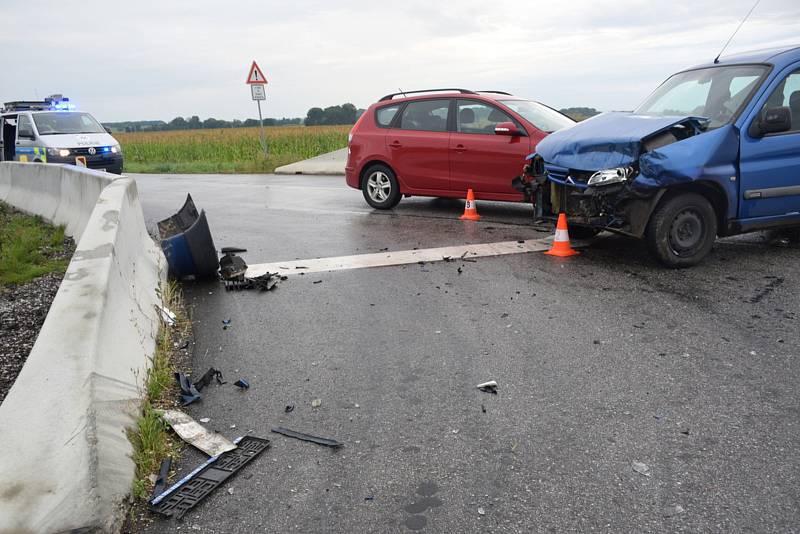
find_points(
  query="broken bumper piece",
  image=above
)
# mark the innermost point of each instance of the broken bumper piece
(187, 243)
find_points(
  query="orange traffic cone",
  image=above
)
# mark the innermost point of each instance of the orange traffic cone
(470, 211)
(561, 246)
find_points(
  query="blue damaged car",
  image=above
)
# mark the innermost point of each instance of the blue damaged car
(715, 150)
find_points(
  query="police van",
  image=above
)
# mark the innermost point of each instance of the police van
(52, 131)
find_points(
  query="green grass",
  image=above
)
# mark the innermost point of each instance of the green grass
(151, 438)
(29, 247)
(227, 150)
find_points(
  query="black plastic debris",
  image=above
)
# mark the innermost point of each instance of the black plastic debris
(488, 387)
(197, 485)
(190, 392)
(289, 408)
(226, 323)
(242, 383)
(265, 282)
(163, 474)
(308, 437)
(211, 374)
(231, 266)
(187, 243)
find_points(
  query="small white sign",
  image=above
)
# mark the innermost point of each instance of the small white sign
(258, 92)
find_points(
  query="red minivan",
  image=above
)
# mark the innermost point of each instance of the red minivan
(443, 142)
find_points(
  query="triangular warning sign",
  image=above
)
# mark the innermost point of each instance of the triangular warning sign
(256, 76)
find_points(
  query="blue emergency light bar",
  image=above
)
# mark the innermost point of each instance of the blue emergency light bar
(51, 103)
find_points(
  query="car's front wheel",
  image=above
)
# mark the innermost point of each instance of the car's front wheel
(682, 230)
(380, 187)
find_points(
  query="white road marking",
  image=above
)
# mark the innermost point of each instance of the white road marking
(400, 257)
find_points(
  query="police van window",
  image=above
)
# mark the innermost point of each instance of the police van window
(24, 127)
(57, 123)
(787, 94)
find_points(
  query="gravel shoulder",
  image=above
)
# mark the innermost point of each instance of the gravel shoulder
(24, 307)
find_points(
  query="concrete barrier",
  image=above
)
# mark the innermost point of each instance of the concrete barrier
(65, 460)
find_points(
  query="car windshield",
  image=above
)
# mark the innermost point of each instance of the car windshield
(57, 122)
(716, 93)
(546, 119)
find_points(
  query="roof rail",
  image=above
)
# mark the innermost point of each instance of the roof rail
(497, 92)
(446, 89)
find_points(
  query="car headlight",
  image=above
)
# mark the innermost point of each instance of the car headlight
(116, 149)
(611, 176)
(63, 152)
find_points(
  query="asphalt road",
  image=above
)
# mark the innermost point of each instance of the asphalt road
(604, 361)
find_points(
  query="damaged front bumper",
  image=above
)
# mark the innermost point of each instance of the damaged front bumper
(617, 203)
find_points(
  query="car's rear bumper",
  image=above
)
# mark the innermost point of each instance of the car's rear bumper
(351, 177)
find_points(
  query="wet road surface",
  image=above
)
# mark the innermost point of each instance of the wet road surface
(604, 361)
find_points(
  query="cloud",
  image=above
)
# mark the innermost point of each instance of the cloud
(146, 59)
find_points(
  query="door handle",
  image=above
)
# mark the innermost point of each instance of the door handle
(460, 148)
(395, 144)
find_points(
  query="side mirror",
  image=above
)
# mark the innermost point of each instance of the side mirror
(774, 120)
(506, 128)
(107, 129)
(27, 135)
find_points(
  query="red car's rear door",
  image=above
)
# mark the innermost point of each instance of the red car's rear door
(479, 158)
(418, 146)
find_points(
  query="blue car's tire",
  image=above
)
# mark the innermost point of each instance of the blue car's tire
(682, 230)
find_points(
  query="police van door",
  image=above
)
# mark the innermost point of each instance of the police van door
(26, 139)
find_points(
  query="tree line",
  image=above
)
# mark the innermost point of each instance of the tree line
(343, 114)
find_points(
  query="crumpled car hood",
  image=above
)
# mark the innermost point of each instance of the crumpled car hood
(607, 140)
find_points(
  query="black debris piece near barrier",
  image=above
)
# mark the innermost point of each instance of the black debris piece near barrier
(163, 474)
(308, 437)
(242, 383)
(190, 392)
(213, 473)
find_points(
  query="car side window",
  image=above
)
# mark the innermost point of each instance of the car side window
(24, 127)
(384, 115)
(479, 118)
(426, 115)
(787, 94)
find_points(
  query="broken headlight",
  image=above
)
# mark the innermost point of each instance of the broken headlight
(611, 176)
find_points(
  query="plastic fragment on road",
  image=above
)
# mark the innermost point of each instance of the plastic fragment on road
(189, 392)
(161, 480)
(289, 408)
(196, 434)
(488, 387)
(211, 374)
(641, 468)
(207, 477)
(316, 403)
(308, 437)
(242, 383)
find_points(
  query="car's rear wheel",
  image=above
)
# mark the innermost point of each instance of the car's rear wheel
(682, 230)
(380, 187)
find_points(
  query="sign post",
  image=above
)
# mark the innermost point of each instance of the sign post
(256, 80)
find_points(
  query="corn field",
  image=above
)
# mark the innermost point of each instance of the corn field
(228, 149)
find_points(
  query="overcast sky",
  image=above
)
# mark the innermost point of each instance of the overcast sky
(137, 59)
